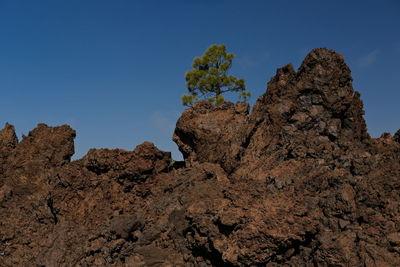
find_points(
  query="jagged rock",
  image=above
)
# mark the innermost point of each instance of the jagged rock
(297, 182)
(312, 113)
(8, 142)
(91, 204)
(53, 146)
(8, 138)
(396, 136)
(42, 150)
(145, 161)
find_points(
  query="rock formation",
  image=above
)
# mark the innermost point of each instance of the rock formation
(295, 182)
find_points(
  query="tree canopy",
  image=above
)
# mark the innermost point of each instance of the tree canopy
(209, 77)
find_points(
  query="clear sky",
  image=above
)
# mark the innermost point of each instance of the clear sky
(114, 70)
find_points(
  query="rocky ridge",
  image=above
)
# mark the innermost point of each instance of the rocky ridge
(295, 182)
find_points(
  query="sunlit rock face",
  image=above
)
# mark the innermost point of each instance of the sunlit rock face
(297, 181)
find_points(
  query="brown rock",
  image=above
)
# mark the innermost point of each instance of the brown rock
(297, 182)
(8, 142)
(145, 161)
(29, 161)
(396, 136)
(212, 133)
(8, 138)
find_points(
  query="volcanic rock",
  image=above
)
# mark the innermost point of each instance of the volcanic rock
(8, 142)
(396, 136)
(212, 133)
(295, 182)
(90, 205)
(42, 150)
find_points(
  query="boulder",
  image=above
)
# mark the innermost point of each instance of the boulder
(212, 133)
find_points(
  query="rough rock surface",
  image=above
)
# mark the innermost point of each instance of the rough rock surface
(8, 142)
(212, 133)
(296, 182)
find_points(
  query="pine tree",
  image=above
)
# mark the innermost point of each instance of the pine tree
(209, 78)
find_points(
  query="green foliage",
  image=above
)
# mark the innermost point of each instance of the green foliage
(217, 100)
(209, 77)
(244, 95)
(188, 100)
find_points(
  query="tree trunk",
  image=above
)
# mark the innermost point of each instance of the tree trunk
(217, 92)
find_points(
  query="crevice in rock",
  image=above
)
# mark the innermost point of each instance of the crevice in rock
(224, 229)
(205, 251)
(213, 256)
(246, 142)
(287, 251)
(360, 220)
(97, 170)
(186, 138)
(50, 205)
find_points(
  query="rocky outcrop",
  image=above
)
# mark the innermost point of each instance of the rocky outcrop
(311, 114)
(127, 167)
(8, 142)
(81, 213)
(295, 182)
(212, 133)
(44, 149)
(396, 136)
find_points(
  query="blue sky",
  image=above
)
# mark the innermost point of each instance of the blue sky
(114, 70)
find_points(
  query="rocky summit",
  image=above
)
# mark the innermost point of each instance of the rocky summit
(296, 181)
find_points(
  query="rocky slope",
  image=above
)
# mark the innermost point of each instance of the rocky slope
(295, 182)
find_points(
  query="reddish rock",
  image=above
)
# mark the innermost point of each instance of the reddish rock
(396, 136)
(297, 182)
(37, 154)
(313, 113)
(8, 142)
(8, 139)
(92, 205)
(136, 166)
(212, 133)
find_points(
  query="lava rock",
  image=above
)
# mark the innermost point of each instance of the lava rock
(295, 182)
